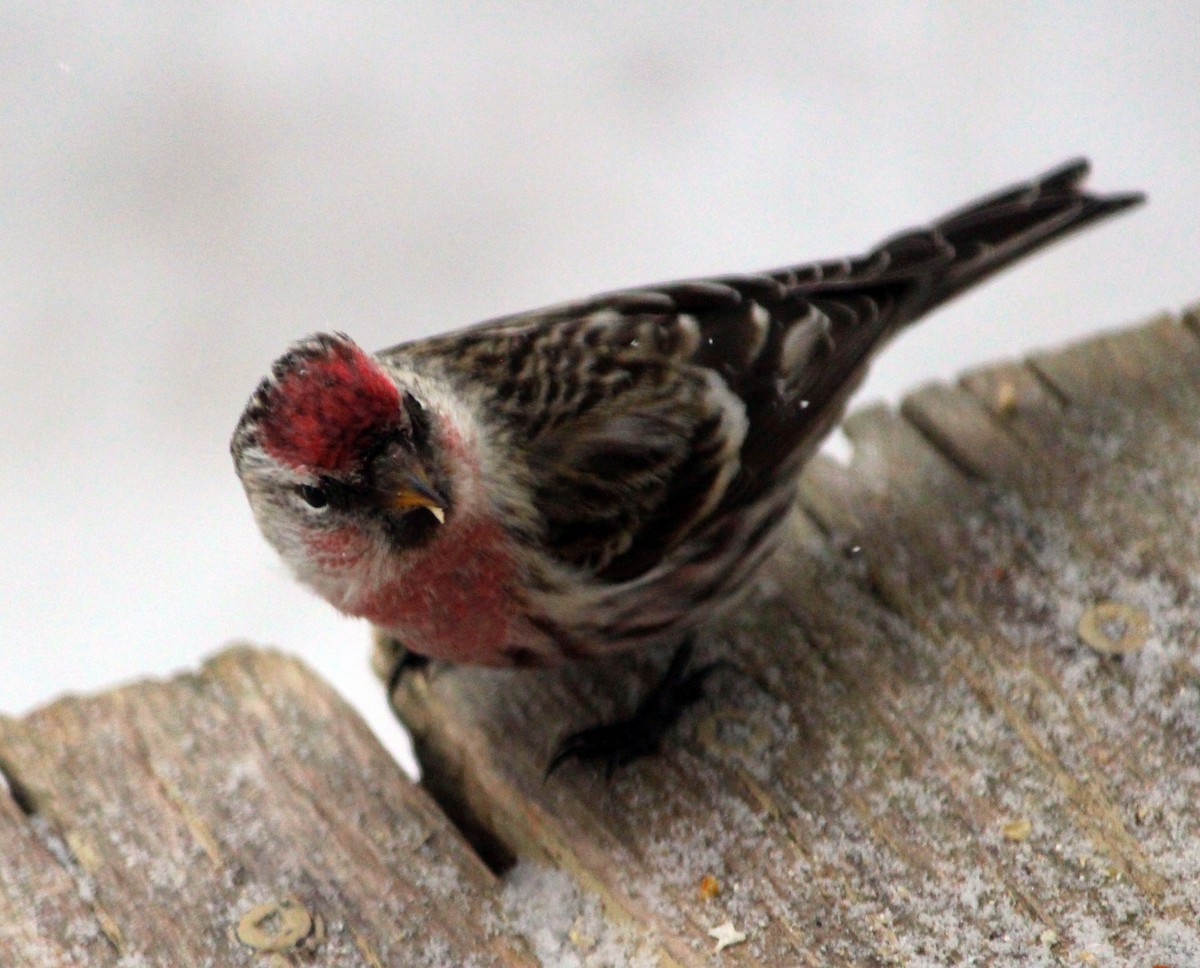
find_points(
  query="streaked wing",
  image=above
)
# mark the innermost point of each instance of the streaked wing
(647, 413)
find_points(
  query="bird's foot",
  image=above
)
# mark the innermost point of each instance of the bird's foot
(626, 740)
(405, 662)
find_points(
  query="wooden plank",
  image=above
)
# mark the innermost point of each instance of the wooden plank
(43, 918)
(240, 816)
(918, 760)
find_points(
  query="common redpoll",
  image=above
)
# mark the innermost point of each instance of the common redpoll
(605, 474)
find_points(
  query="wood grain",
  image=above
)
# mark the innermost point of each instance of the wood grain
(240, 816)
(917, 759)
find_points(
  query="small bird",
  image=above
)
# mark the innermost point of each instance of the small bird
(601, 475)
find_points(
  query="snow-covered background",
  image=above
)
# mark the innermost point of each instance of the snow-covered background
(186, 187)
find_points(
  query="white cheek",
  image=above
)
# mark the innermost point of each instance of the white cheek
(283, 529)
(343, 565)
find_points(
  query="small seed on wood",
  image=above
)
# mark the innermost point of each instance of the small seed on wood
(1017, 830)
(726, 935)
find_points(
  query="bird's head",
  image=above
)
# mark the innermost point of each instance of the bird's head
(340, 466)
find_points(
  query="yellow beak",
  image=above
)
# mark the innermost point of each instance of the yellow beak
(418, 494)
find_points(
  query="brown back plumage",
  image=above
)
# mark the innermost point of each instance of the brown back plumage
(647, 416)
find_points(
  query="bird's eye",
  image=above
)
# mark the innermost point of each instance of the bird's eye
(315, 496)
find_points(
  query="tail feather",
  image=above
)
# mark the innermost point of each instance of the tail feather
(992, 233)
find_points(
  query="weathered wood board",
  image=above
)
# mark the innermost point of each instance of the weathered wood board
(962, 726)
(240, 816)
(918, 759)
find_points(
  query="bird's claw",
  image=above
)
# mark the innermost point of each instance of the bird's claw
(406, 661)
(623, 741)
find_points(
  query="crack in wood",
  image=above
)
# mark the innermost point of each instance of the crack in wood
(1047, 383)
(20, 795)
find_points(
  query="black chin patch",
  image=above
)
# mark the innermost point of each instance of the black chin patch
(410, 529)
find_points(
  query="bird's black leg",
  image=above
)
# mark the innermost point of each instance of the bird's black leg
(626, 740)
(406, 661)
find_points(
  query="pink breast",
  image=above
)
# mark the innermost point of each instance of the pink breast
(454, 600)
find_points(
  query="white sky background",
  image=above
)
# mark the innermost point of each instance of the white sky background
(185, 188)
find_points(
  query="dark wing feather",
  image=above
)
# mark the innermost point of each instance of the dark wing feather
(644, 414)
